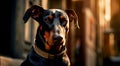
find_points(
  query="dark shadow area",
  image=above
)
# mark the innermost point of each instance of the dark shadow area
(5, 27)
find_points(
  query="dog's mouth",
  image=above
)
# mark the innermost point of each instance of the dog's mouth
(58, 43)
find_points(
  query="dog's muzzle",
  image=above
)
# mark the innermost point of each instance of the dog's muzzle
(57, 38)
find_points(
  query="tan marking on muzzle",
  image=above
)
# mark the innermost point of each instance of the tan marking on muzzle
(48, 40)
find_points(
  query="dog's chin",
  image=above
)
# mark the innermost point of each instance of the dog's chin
(58, 45)
(58, 48)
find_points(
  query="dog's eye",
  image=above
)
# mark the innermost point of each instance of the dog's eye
(48, 19)
(63, 21)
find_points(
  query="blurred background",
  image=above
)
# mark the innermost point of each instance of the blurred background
(96, 43)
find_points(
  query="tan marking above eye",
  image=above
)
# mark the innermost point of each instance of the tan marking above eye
(50, 17)
(61, 17)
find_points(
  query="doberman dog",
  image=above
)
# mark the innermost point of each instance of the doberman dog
(49, 48)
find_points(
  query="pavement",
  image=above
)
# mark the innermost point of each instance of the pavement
(8, 61)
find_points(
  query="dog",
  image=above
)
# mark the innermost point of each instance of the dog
(49, 48)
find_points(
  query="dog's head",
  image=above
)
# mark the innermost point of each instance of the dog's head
(54, 24)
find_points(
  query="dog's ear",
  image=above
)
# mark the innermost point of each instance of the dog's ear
(72, 16)
(35, 11)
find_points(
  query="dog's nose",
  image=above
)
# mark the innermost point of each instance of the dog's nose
(59, 38)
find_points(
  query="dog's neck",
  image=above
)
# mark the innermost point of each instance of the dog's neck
(41, 44)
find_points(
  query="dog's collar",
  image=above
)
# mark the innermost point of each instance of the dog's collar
(47, 55)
